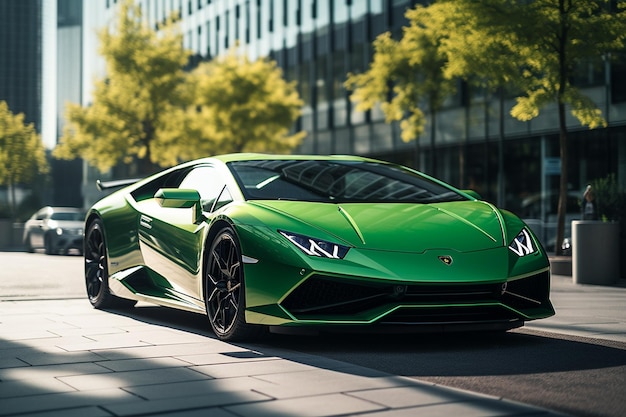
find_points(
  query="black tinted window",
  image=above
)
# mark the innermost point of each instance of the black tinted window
(336, 181)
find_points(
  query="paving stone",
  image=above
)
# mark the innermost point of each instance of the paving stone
(13, 389)
(200, 387)
(324, 381)
(225, 357)
(50, 371)
(131, 378)
(419, 394)
(186, 403)
(317, 406)
(62, 401)
(142, 364)
(72, 412)
(252, 368)
(175, 350)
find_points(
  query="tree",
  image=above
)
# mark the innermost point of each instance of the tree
(133, 106)
(545, 42)
(22, 155)
(239, 106)
(408, 74)
(149, 109)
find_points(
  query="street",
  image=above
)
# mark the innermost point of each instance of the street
(579, 376)
(39, 276)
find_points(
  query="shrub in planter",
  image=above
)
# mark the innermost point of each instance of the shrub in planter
(610, 199)
(610, 202)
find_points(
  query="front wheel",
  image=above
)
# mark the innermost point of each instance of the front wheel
(47, 245)
(96, 270)
(225, 291)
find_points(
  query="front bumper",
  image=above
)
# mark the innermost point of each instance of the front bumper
(64, 243)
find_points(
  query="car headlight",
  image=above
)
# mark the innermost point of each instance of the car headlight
(523, 244)
(59, 231)
(316, 247)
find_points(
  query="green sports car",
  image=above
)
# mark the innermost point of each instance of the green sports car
(261, 242)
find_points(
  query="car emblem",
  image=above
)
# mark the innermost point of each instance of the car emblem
(446, 259)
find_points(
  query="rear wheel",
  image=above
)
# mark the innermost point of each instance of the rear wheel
(28, 244)
(96, 270)
(225, 291)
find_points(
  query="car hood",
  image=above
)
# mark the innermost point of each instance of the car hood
(405, 227)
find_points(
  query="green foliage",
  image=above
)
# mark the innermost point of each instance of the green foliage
(610, 199)
(407, 75)
(534, 49)
(150, 110)
(22, 155)
(132, 106)
(237, 106)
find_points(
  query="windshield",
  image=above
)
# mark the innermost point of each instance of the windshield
(336, 181)
(67, 216)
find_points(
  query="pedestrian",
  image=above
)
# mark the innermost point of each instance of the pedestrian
(589, 205)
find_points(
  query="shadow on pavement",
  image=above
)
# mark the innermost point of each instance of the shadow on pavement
(575, 375)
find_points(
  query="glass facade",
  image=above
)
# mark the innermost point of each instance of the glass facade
(21, 57)
(477, 143)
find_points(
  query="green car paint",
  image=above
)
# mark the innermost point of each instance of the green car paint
(365, 246)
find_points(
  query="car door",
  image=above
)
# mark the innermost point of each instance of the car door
(172, 240)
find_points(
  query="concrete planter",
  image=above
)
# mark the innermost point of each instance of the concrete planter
(595, 252)
(10, 234)
(6, 233)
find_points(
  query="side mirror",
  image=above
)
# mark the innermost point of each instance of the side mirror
(180, 198)
(473, 194)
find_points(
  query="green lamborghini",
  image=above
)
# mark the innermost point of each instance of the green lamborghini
(260, 242)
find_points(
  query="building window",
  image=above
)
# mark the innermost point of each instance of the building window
(258, 19)
(285, 13)
(227, 29)
(208, 39)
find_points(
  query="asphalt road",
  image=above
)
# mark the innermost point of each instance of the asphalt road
(38, 276)
(575, 375)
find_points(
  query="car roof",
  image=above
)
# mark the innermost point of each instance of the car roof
(261, 157)
(54, 209)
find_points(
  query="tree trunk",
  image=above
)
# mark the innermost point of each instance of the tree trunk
(562, 207)
(433, 132)
(563, 77)
(12, 203)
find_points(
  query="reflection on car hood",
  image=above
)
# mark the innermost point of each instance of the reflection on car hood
(461, 226)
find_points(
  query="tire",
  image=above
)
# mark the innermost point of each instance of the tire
(28, 244)
(47, 245)
(96, 270)
(225, 290)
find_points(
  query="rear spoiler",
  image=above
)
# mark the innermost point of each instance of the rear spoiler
(107, 185)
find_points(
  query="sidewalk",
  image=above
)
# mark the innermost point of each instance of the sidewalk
(586, 310)
(62, 357)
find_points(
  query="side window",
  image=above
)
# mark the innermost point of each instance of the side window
(209, 184)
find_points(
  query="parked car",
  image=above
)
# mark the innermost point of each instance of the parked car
(57, 230)
(322, 243)
(539, 211)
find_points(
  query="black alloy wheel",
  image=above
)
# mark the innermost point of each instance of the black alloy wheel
(224, 289)
(96, 270)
